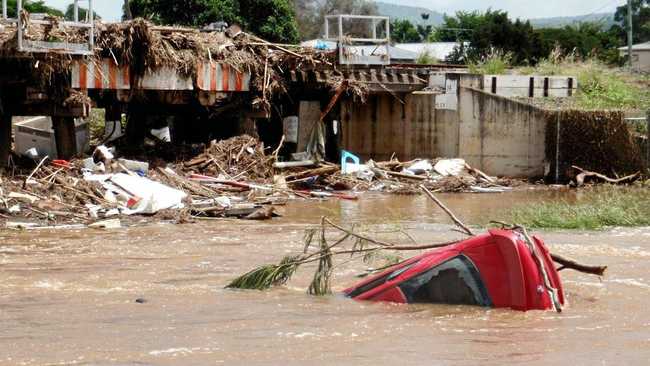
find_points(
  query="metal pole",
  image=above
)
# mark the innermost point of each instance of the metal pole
(387, 30)
(557, 148)
(76, 11)
(629, 31)
(4, 9)
(647, 141)
(374, 29)
(327, 28)
(19, 23)
(91, 30)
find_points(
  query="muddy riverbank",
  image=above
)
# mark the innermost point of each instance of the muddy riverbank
(69, 297)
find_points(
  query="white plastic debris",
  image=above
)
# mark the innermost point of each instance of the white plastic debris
(88, 163)
(498, 189)
(150, 196)
(20, 225)
(112, 212)
(162, 134)
(23, 197)
(93, 210)
(134, 165)
(450, 167)
(32, 153)
(223, 201)
(419, 167)
(107, 224)
(14, 209)
(365, 174)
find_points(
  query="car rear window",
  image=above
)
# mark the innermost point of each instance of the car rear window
(456, 281)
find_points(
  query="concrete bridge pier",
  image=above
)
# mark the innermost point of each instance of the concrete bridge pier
(65, 136)
(5, 135)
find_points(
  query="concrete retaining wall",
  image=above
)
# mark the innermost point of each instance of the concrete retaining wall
(495, 134)
(383, 126)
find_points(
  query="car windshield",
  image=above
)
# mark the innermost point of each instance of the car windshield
(456, 281)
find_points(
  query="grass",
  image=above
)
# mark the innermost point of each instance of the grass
(496, 62)
(96, 123)
(426, 58)
(594, 209)
(599, 85)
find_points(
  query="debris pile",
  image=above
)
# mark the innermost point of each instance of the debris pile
(146, 47)
(241, 157)
(236, 177)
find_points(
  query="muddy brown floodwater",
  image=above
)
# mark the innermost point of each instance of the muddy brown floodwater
(69, 297)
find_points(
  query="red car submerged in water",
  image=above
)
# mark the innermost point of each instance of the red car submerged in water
(503, 269)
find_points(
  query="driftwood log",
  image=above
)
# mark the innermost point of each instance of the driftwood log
(584, 174)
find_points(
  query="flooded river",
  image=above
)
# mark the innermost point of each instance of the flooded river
(69, 297)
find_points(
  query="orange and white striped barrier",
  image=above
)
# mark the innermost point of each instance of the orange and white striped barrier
(212, 76)
(106, 74)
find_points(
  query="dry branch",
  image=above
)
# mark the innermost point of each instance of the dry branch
(447, 211)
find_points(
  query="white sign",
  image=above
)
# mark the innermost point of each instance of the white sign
(449, 100)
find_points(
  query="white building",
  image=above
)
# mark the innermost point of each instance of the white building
(400, 53)
(640, 56)
(438, 50)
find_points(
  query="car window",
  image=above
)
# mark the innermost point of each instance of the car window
(380, 280)
(456, 281)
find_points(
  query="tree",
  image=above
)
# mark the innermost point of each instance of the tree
(492, 30)
(126, 9)
(584, 39)
(640, 21)
(69, 13)
(32, 7)
(402, 31)
(273, 20)
(312, 21)
(307, 12)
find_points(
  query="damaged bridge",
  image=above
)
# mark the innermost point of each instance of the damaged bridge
(214, 85)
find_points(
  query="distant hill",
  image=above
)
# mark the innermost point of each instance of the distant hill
(607, 19)
(413, 14)
(410, 13)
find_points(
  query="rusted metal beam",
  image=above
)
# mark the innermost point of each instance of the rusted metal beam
(49, 109)
(65, 136)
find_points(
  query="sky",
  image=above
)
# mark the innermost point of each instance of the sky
(111, 10)
(519, 8)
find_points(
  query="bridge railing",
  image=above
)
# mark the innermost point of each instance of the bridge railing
(351, 34)
(24, 45)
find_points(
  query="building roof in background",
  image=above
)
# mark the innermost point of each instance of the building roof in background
(438, 50)
(637, 47)
(396, 53)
